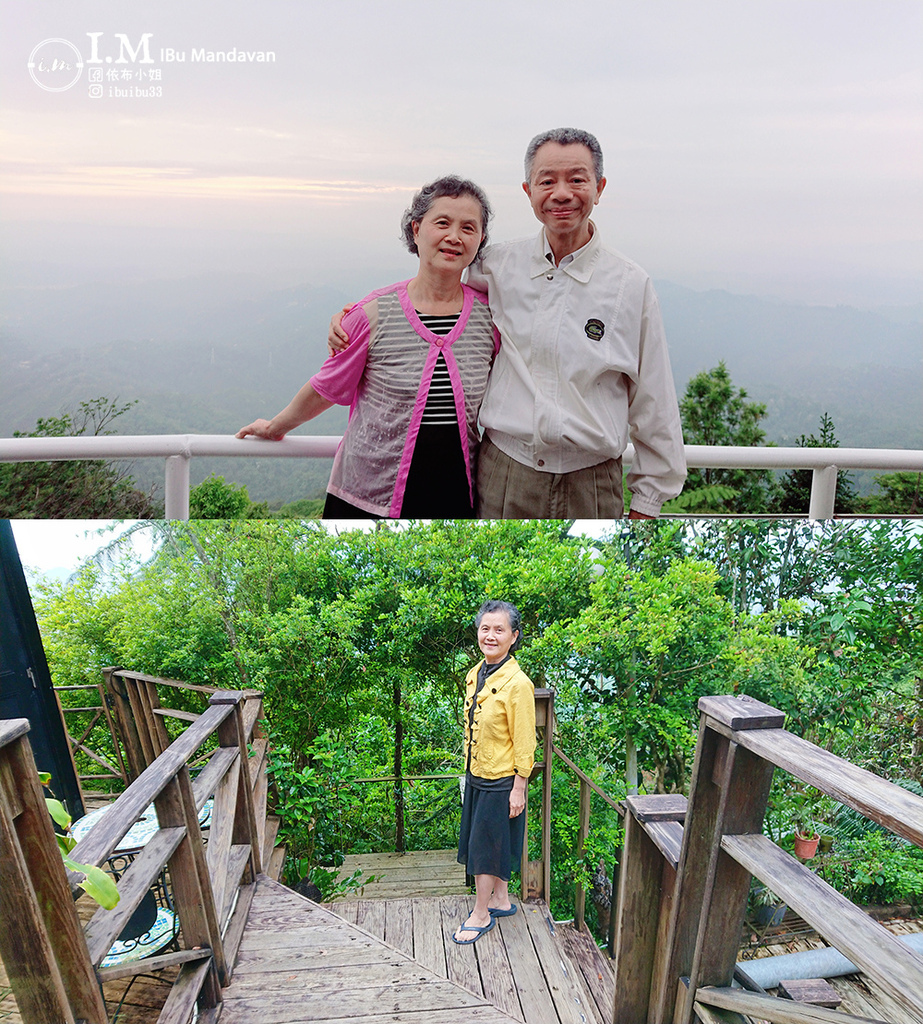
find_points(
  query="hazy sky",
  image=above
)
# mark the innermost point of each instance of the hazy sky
(57, 548)
(773, 147)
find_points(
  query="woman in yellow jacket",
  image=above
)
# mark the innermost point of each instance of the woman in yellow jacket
(499, 753)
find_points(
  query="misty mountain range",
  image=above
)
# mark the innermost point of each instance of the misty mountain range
(207, 354)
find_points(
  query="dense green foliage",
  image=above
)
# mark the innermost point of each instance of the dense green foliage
(899, 494)
(360, 643)
(714, 412)
(84, 489)
(796, 484)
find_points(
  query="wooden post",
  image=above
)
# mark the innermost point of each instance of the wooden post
(645, 894)
(548, 755)
(536, 875)
(41, 941)
(582, 833)
(193, 897)
(117, 688)
(730, 789)
(231, 734)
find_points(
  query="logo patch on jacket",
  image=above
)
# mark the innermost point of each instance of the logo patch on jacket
(594, 329)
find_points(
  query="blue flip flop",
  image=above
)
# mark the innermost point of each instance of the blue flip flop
(473, 928)
(497, 912)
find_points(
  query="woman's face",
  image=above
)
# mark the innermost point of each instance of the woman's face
(495, 638)
(450, 233)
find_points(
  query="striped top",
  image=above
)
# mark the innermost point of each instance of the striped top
(384, 376)
(440, 402)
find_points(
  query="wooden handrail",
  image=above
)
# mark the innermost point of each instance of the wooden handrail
(53, 962)
(893, 807)
(679, 920)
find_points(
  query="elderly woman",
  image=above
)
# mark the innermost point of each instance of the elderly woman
(414, 376)
(499, 753)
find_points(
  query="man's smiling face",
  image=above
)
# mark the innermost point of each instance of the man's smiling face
(563, 188)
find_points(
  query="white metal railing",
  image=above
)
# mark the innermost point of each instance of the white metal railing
(179, 449)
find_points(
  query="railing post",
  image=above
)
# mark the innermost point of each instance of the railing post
(548, 757)
(176, 487)
(823, 493)
(638, 906)
(582, 833)
(127, 729)
(193, 895)
(536, 874)
(41, 941)
(143, 733)
(729, 793)
(231, 734)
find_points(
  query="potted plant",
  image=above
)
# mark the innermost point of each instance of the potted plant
(806, 844)
(806, 835)
(766, 909)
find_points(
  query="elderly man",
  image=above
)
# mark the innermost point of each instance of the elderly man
(583, 360)
(583, 364)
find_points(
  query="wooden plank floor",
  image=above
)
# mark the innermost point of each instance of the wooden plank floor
(299, 962)
(418, 873)
(533, 969)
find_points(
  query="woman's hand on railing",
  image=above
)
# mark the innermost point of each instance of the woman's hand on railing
(261, 428)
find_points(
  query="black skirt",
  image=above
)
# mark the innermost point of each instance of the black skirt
(437, 482)
(490, 841)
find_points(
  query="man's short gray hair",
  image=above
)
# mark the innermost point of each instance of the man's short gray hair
(453, 187)
(566, 137)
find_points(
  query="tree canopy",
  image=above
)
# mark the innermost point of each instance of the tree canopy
(360, 643)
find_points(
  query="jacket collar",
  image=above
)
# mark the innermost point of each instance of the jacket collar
(580, 268)
(496, 680)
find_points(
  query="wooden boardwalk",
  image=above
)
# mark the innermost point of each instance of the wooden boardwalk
(393, 961)
(417, 873)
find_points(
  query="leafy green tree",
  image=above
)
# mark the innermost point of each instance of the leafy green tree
(645, 648)
(714, 412)
(851, 593)
(84, 489)
(870, 630)
(215, 499)
(764, 562)
(899, 495)
(796, 484)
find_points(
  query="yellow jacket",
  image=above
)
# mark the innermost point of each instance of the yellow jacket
(502, 740)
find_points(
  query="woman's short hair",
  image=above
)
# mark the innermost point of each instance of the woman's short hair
(512, 613)
(453, 187)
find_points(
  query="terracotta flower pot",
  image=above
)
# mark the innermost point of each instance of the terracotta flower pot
(806, 846)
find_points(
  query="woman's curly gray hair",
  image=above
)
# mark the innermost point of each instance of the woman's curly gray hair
(453, 187)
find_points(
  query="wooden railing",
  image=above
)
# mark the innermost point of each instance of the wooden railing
(686, 873)
(51, 960)
(129, 713)
(79, 735)
(536, 875)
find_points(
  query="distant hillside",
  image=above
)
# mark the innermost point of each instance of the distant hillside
(864, 368)
(206, 355)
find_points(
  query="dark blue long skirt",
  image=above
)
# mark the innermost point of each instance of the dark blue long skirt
(490, 841)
